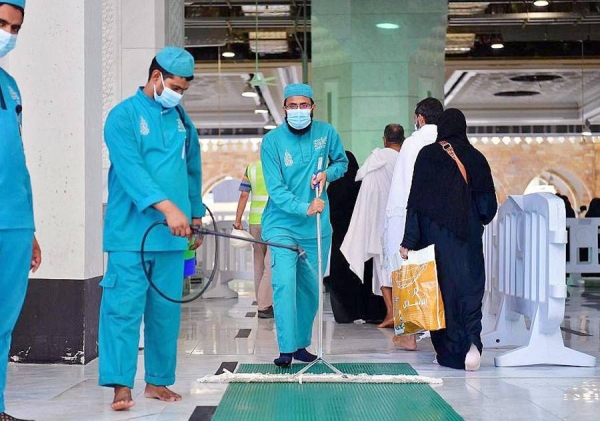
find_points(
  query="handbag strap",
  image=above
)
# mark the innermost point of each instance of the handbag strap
(448, 148)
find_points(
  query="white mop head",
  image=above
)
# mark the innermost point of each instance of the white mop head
(229, 377)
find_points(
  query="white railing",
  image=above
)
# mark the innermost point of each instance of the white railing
(525, 271)
(582, 247)
(233, 263)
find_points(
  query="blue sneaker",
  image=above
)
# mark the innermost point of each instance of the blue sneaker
(303, 355)
(284, 360)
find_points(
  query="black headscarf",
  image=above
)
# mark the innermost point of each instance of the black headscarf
(568, 208)
(594, 209)
(438, 188)
(342, 194)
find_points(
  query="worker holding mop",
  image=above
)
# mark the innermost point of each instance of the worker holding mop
(298, 158)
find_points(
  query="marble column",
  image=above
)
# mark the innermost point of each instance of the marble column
(366, 76)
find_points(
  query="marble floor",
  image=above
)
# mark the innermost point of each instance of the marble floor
(208, 338)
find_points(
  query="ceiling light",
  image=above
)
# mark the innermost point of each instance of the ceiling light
(249, 92)
(261, 109)
(228, 53)
(457, 49)
(387, 25)
(496, 41)
(270, 125)
(540, 3)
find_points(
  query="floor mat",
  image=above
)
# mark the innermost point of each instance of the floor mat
(332, 401)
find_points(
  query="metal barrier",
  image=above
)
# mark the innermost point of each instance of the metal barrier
(525, 278)
(233, 263)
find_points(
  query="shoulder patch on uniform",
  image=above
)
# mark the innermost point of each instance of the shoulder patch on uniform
(288, 160)
(144, 129)
(180, 125)
(14, 95)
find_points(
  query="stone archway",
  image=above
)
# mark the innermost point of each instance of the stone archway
(216, 165)
(515, 165)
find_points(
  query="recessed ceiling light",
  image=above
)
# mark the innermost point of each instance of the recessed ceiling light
(387, 25)
(261, 109)
(517, 93)
(540, 3)
(249, 92)
(270, 125)
(228, 53)
(536, 78)
(497, 45)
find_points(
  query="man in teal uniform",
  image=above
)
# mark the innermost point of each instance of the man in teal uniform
(298, 156)
(155, 174)
(19, 250)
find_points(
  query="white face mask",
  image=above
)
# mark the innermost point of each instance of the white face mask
(169, 98)
(7, 42)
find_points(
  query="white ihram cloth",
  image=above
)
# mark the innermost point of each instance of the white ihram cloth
(395, 212)
(363, 239)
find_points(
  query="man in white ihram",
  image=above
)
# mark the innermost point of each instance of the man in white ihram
(363, 239)
(426, 115)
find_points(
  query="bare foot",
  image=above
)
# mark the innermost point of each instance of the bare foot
(386, 323)
(123, 399)
(162, 393)
(473, 359)
(407, 342)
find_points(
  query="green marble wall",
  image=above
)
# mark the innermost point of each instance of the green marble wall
(365, 77)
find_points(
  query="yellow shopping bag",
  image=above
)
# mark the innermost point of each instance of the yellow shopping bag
(418, 304)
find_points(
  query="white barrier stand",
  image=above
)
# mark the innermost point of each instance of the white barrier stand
(492, 299)
(501, 327)
(583, 256)
(530, 255)
(233, 263)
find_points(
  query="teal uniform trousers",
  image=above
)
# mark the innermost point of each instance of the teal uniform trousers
(16, 218)
(127, 297)
(296, 290)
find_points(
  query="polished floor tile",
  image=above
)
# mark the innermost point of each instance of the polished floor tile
(208, 338)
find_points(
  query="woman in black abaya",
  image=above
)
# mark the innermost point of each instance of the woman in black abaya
(445, 210)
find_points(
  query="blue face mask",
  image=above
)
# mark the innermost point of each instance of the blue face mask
(299, 119)
(7, 42)
(169, 98)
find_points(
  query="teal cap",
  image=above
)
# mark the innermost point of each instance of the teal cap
(176, 61)
(18, 3)
(298, 89)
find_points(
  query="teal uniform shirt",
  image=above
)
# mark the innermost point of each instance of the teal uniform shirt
(289, 162)
(16, 211)
(151, 161)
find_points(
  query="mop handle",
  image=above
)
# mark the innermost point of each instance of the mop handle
(320, 281)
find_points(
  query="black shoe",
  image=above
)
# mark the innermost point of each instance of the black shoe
(284, 360)
(303, 355)
(5, 417)
(266, 313)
